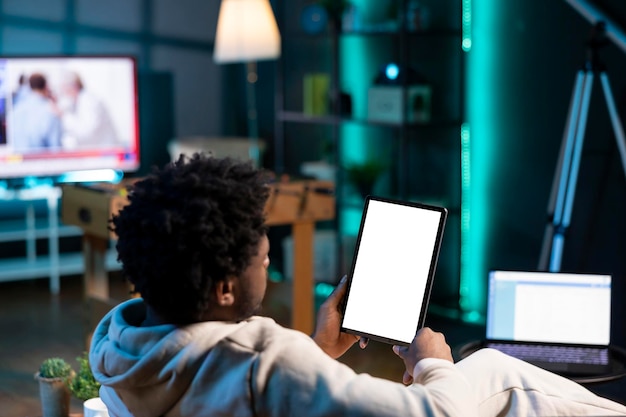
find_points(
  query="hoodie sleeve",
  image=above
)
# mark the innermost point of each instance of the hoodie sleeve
(304, 381)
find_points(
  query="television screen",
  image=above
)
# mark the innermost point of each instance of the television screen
(63, 114)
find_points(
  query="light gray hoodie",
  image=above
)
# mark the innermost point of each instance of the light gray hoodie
(251, 368)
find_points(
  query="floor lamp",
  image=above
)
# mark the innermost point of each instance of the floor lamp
(247, 32)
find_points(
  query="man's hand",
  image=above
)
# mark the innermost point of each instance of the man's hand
(327, 334)
(426, 344)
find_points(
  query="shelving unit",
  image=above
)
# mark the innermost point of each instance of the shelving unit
(52, 263)
(423, 159)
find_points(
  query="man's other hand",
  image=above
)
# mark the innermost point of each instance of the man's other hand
(327, 334)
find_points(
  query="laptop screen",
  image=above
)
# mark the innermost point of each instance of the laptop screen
(549, 307)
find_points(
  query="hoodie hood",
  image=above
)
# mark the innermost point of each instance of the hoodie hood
(147, 370)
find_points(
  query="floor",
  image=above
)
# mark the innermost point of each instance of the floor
(36, 325)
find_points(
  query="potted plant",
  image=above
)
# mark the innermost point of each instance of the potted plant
(84, 386)
(364, 175)
(55, 376)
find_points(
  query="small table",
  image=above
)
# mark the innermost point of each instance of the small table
(298, 203)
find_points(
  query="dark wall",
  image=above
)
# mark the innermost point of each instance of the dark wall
(156, 118)
(545, 45)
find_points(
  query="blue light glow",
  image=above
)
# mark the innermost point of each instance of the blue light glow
(392, 71)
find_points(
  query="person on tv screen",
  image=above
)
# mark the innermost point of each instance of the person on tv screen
(86, 120)
(22, 89)
(34, 124)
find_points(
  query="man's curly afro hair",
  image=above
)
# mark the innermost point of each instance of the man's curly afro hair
(187, 226)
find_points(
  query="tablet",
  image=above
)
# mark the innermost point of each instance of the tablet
(392, 269)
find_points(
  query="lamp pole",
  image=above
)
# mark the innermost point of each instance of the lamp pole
(253, 121)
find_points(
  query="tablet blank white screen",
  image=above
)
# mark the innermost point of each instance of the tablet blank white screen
(391, 270)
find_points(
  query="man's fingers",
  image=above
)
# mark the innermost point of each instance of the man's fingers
(399, 350)
(363, 342)
(407, 379)
(338, 295)
(340, 288)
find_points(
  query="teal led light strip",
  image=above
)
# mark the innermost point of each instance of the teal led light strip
(483, 84)
(469, 287)
(466, 258)
(357, 59)
(466, 25)
(466, 285)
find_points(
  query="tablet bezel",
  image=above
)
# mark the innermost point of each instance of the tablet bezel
(431, 272)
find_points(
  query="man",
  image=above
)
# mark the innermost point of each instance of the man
(34, 125)
(193, 243)
(86, 120)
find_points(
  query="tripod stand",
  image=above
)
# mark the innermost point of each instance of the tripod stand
(564, 183)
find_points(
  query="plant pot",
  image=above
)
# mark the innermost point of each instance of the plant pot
(55, 397)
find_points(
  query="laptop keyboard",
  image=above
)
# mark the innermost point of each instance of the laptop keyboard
(556, 354)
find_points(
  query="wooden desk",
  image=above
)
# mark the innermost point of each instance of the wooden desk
(300, 204)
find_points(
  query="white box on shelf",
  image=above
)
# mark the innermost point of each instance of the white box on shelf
(385, 103)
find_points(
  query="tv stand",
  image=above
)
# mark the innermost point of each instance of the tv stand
(30, 229)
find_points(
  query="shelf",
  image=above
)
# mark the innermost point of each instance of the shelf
(34, 227)
(454, 33)
(326, 35)
(14, 230)
(423, 159)
(16, 269)
(299, 117)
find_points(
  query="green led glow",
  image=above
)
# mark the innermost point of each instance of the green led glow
(358, 65)
(360, 60)
(351, 220)
(323, 290)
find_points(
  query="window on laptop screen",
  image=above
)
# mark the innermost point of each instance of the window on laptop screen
(549, 307)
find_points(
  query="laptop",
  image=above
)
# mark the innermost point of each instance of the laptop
(558, 321)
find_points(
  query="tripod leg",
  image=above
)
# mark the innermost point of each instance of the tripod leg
(615, 120)
(559, 182)
(559, 236)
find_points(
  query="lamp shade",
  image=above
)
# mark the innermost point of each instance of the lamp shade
(246, 31)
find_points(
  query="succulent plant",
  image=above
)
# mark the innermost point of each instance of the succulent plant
(56, 368)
